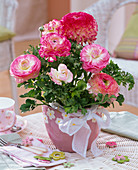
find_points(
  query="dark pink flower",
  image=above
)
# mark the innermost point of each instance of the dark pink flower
(80, 27)
(111, 144)
(53, 45)
(103, 83)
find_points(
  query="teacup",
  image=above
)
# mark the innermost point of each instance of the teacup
(7, 114)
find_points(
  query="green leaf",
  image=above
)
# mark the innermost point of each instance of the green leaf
(83, 111)
(105, 98)
(81, 85)
(75, 93)
(29, 105)
(120, 99)
(67, 109)
(31, 93)
(20, 84)
(34, 93)
(99, 97)
(25, 107)
(113, 96)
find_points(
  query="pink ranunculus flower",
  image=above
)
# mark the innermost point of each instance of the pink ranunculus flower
(94, 58)
(25, 67)
(54, 26)
(62, 74)
(80, 27)
(103, 83)
(53, 45)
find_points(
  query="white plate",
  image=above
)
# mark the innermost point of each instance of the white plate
(20, 122)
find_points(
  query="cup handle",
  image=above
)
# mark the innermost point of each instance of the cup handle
(14, 119)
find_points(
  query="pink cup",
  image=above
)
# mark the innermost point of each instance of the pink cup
(7, 114)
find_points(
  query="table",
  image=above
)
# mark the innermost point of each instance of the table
(125, 146)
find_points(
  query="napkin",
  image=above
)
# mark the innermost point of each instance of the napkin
(25, 158)
(124, 124)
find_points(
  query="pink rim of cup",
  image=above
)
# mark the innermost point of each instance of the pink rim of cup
(7, 114)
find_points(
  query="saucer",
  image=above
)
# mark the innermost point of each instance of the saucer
(20, 122)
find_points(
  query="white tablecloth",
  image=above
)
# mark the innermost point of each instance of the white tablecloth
(125, 146)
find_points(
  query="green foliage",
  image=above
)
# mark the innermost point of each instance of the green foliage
(120, 76)
(29, 105)
(120, 99)
(72, 96)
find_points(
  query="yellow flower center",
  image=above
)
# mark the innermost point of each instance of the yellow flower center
(25, 65)
(95, 54)
(106, 82)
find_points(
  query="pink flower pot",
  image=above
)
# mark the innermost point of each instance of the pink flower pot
(61, 140)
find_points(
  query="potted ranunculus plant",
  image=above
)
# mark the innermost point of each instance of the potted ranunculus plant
(73, 79)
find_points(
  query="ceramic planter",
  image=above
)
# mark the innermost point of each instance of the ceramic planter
(61, 140)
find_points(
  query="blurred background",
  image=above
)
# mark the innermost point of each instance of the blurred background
(31, 14)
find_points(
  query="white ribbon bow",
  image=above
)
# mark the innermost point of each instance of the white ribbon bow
(77, 126)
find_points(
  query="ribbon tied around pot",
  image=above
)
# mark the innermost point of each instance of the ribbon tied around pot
(76, 125)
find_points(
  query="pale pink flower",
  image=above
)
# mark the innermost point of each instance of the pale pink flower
(54, 26)
(25, 67)
(80, 27)
(94, 58)
(65, 73)
(62, 74)
(103, 83)
(53, 45)
(119, 157)
(54, 75)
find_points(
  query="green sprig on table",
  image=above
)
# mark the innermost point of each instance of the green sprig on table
(68, 164)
